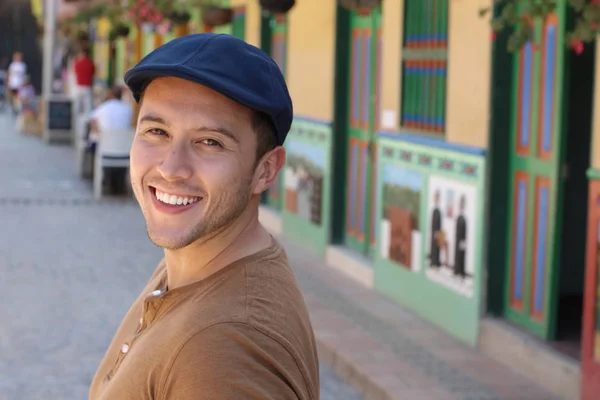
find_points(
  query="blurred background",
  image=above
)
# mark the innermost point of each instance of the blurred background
(440, 201)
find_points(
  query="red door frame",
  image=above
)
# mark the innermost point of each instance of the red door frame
(590, 367)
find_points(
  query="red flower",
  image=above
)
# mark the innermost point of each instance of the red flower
(493, 35)
(577, 46)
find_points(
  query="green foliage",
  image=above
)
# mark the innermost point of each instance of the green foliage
(403, 197)
(518, 17)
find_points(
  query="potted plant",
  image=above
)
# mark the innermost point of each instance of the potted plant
(121, 30)
(179, 17)
(518, 17)
(277, 6)
(216, 15)
(360, 4)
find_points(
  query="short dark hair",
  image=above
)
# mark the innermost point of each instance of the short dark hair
(116, 92)
(265, 134)
(83, 50)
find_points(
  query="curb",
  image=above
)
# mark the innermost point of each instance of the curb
(349, 372)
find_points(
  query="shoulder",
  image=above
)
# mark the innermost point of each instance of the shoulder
(234, 360)
(125, 106)
(100, 109)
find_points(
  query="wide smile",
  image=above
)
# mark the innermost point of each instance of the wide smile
(172, 203)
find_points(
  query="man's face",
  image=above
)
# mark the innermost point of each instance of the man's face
(192, 162)
(17, 57)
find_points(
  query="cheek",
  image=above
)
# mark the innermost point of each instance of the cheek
(224, 175)
(141, 159)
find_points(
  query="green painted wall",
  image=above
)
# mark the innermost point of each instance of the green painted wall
(226, 29)
(147, 43)
(306, 181)
(169, 36)
(411, 171)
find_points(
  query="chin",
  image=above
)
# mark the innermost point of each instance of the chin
(171, 242)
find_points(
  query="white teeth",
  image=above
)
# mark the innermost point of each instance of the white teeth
(174, 200)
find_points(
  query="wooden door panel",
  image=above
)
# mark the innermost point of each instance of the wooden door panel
(533, 269)
(363, 107)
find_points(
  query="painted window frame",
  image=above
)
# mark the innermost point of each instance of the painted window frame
(424, 66)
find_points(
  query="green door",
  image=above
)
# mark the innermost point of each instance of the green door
(238, 25)
(535, 183)
(274, 41)
(364, 64)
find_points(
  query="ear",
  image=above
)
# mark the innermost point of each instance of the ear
(267, 169)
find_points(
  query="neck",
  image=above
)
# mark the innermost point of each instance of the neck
(206, 256)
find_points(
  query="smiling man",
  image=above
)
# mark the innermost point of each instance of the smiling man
(222, 316)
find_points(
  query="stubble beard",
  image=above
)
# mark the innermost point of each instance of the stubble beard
(224, 210)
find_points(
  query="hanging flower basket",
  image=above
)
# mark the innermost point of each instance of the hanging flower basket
(364, 5)
(277, 6)
(179, 17)
(121, 30)
(146, 14)
(216, 16)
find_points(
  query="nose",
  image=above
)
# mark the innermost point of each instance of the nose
(176, 164)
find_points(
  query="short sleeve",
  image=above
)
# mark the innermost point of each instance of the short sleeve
(234, 361)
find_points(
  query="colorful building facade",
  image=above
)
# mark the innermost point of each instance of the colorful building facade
(428, 162)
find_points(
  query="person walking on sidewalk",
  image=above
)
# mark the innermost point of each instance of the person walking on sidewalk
(222, 316)
(17, 73)
(84, 70)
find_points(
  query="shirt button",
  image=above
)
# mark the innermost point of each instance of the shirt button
(125, 348)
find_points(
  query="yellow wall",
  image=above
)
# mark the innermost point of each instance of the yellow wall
(392, 29)
(310, 57)
(469, 74)
(595, 156)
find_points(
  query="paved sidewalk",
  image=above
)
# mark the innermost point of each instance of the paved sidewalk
(386, 352)
(69, 269)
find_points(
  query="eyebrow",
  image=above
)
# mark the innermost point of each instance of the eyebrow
(156, 119)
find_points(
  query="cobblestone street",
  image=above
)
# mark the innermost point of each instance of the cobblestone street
(69, 269)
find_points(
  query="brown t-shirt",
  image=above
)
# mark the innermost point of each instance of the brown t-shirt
(242, 333)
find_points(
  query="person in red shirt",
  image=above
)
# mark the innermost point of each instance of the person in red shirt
(84, 70)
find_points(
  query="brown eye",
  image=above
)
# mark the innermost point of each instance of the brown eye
(211, 143)
(157, 132)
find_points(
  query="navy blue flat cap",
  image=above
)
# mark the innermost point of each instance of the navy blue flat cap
(225, 64)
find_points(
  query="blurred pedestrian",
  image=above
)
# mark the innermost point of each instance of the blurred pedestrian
(17, 71)
(84, 70)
